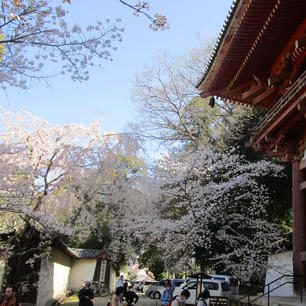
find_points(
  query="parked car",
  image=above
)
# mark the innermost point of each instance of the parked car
(142, 286)
(177, 291)
(159, 290)
(216, 287)
(233, 282)
(178, 281)
(149, 292)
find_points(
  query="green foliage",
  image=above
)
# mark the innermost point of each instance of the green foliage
(99, 237)
(132, 276)
(204, 122)
(132, 165)
(152, 258)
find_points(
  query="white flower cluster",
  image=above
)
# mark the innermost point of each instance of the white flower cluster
(35, 34)
(212, 206)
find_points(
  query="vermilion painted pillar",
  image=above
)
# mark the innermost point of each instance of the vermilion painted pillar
(299, 222)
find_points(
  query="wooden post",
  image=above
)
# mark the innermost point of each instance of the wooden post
(299, 223)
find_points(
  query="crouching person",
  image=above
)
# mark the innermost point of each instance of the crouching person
(181, 300)
(86, 295)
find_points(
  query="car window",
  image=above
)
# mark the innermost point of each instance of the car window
(225, 286)
(191, 285)
(211, 285)
(178, 283)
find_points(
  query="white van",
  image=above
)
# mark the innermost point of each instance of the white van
(233, 282)
(215, 287)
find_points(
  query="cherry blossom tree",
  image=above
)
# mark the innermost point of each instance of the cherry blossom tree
(169, 107)
(53, 181)
(157, 22)
(37, 42)
(35, 33)
(214, 207)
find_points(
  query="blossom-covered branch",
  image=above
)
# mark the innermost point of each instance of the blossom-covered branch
(34, 35)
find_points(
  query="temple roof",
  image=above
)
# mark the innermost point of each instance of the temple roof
(80, 253)
(87, 253)
(252, 38)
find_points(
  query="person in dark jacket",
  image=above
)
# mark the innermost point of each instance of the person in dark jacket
(125, 287)
(204, 295)
(9, 298)
(131, 297)
(86, 295)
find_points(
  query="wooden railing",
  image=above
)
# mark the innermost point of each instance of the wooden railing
(283, 101)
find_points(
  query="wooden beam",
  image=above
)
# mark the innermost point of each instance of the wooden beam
(252, 91)
(277, 78)
(300, 42)
(301, 107)
(274, 153)
(303, 164)
(288, 156)
(238, 89)
(303, 186)
(277, 140)
(285, 147)
(270, 139)
(272, 146)
(262, 147)
(291, 123)
(282, 117)
(280, 63)
(267, 93)
(280, 139)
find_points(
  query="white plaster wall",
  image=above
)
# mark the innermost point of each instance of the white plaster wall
(278, 265)
(112, 280)
(2, 266)
(45, 285)
(82, 270)
(60, 280)
(61, 273)
(54, 277)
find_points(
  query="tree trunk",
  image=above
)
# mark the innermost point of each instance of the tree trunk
(23, 263)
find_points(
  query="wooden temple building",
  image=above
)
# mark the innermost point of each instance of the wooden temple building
(260, 61)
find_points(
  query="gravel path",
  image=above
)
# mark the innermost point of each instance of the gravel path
(102, 301)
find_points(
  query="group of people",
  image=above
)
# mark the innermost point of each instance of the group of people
(167, 297)
(127, 297)
(124, 295)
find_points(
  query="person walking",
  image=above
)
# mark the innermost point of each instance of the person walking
(203, 296)
(131, 297)
(125, 287)
(86, 295)
(181, 300)
(9, 298)
(167, 295)
(117, 297)
(120, 282)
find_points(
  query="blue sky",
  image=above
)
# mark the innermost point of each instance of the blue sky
(107, 93)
